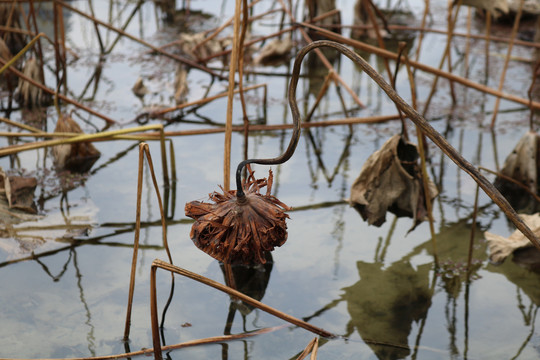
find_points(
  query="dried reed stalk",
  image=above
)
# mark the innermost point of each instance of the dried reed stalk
(277, 33)
(507, 61)
(232, 292)
(323, 58)
(391, 55)
(143, 151)
(451, 20)
(107, 135)
(206, 100)
(190, 343)
(156, 136)
(140, 41)
(423, 29)
(425, 177)
(312, 348)
(6, 64)
(217, 31)
(60, 96)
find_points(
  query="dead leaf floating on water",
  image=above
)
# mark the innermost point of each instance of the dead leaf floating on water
(28, 95)
(391, 180)
(504, 7)
(521, 165)
(18, 192)
(275, 52)
(77, 157)
(139, 89)
(189, 44)
(500, 247)
(239, 233)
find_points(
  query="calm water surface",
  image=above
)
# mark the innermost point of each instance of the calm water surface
(64, 278)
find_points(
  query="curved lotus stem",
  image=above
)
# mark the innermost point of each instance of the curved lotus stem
(418, 119)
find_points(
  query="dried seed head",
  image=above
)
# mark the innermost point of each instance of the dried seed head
(239, 230)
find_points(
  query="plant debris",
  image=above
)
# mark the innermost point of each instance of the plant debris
(237, 232)
(500, 247)
(77, 157)
(139, 89)
(28, 95)
(19, 192)
(275, 52)
(522, 166)
(391, 180)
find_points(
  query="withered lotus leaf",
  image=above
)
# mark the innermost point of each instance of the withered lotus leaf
(77, 157)
(239, 231)
(521, 165)
(501, 247)
(391, 180)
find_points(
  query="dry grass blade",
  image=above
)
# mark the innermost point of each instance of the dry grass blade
(232, 69)
(100, 136)
(232, 292)
(182, 345)
(143, 150)
(310, 348)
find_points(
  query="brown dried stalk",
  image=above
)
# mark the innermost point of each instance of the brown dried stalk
(312, 348)
(422, 123)
(507, 60)
(429, 69)
(182, 345)
(232, 292)
(60, 96)
(237, 229)
(323, 58)
(143, 150)
(134, 38)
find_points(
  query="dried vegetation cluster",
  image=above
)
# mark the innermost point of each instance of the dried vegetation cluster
(242, 230)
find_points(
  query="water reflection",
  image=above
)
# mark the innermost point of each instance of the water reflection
(251, 280)
(385, 302)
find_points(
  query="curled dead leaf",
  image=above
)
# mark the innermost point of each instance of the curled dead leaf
(237, 232)
(275, 52)
(391, 180)
(18, 192)
(522, 165)
(189, 44)
(139, 89)
(28, 95)
(500, 247)
(76, 157)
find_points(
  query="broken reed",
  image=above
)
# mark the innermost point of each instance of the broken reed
(144, 152)
(100, 136)
(159, 264)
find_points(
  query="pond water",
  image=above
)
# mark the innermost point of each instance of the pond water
(64, 278)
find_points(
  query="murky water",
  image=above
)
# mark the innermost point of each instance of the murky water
(64, 278)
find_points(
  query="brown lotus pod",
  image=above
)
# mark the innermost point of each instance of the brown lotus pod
(240, 230)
